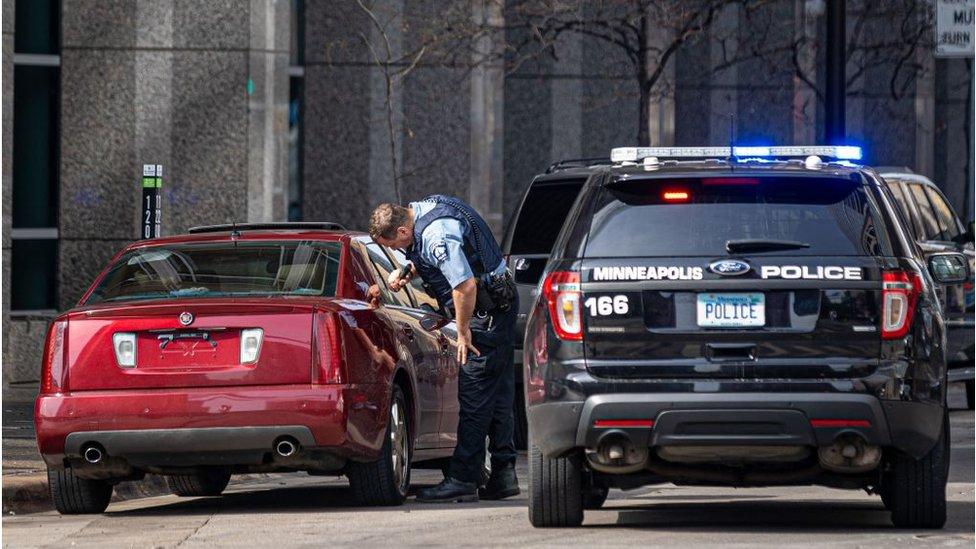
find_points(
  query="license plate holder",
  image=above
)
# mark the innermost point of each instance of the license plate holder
(731, 310)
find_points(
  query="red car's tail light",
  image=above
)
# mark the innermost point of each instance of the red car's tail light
(562, 292)
(327, 348)
(54, 376)
(899, 294)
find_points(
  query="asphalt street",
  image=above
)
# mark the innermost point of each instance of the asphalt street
(300, 510)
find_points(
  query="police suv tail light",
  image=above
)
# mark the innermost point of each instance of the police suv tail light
(562, 292)
(899, 294)
(673, 195)
(251, 345)
(125, 348)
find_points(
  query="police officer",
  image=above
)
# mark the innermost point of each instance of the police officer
(452, 250)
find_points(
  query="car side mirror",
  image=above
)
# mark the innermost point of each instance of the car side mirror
(949, 268)
(433, 321)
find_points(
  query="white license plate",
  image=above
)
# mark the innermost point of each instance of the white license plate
(731, 310)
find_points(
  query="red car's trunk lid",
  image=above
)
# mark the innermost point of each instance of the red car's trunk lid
(204, 352)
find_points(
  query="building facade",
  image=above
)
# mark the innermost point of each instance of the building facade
(274, 109)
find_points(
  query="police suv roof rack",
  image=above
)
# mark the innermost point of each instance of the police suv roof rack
(640, 154)
(577, 163)
(272, 226)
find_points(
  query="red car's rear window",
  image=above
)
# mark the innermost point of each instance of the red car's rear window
(220, 269)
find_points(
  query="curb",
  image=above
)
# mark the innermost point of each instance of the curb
(29, 493)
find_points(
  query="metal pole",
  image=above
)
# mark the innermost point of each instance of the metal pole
(836, 71)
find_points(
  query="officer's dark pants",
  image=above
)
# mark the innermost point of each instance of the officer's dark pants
(486, 390)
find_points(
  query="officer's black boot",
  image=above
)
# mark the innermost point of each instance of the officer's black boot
(502, 484)
(450, 489)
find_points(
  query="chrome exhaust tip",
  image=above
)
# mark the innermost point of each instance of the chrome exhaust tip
(286, 447)
(849, 453)
(93, 454)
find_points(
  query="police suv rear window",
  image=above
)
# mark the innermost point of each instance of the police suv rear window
(763, 215)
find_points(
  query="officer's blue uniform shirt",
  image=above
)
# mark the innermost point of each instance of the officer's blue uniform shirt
(443, 245)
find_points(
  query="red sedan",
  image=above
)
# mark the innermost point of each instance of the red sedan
(246, 349)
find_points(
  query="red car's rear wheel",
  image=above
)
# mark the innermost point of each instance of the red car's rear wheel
(386, 480)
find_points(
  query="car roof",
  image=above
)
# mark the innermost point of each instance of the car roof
(249, 235)
(906, 176)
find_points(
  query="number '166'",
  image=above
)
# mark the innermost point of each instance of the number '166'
(607, 305)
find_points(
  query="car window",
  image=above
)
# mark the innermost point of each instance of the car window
(416, 284)
(542, 215)
(930, 224)
(944, 214)
(220, 269)
(903, 204)
(692, 216)
(384, 267)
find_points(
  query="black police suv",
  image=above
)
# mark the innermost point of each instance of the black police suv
(725, 321)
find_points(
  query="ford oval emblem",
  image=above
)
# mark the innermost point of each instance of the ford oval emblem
(729, 267)
(186, 318)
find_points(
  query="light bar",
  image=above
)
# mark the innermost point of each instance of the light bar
(637, 154)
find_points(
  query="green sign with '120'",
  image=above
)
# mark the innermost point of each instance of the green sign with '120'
(152, 202)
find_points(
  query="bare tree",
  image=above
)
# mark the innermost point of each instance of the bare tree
(648, 33)
(875, 45)
(440, 42)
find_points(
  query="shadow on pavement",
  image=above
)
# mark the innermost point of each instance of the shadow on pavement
(293, 500)
(785, 516)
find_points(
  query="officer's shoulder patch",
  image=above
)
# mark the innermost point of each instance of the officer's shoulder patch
(439, 251)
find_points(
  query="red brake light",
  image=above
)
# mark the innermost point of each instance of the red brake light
(835, 423)
(562, 292)
(675, 196)
(623, 423)
(54, 376)
(899, 294)
(327, 348)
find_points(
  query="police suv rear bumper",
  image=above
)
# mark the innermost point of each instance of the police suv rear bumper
(739, 419)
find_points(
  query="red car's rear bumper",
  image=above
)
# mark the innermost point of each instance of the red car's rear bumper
(347, 419)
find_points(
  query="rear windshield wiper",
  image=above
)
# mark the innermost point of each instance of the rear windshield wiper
(761, 245)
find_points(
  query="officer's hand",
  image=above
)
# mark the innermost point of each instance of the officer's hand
(395, 282)
(464, 345)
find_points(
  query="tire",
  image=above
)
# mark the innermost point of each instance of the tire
(386, 480)
(521, 432)
(916, 490)
(77, 496)
(594, 497)
(210, 482)
(555, 490)
(970, 398)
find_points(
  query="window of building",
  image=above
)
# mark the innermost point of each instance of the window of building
(37, 91)
(296, 109)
